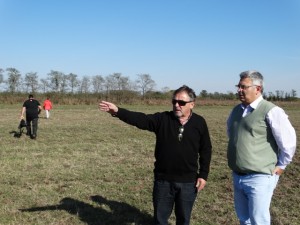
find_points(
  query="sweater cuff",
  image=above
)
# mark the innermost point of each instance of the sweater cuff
(203, 175)
(117, 113)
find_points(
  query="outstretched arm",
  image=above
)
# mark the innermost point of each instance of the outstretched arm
(108, 107)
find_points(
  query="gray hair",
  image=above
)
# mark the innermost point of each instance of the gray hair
(255, 76)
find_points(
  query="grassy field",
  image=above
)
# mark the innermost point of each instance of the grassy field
(87, 167)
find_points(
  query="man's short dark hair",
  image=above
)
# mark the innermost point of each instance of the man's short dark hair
(186, 89)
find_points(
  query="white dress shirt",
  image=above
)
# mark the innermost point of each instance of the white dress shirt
(282, 130)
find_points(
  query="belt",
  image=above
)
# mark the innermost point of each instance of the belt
(251, 173)
(241, 174)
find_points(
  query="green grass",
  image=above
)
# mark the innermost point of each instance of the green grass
(87, 167)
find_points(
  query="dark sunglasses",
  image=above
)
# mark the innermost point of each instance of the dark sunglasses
(180, 102)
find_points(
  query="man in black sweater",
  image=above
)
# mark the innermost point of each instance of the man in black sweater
(182, 154)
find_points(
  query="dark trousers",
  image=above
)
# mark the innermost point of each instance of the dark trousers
(32, 126)
(166, 195)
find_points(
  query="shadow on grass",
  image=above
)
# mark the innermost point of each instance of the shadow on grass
(16, 133)
(110, 213)
(21, 127)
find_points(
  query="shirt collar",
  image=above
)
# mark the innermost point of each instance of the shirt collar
(254, 104)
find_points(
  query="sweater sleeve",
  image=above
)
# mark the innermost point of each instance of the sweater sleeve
(205, 153)
(140, 120)
(284, 134)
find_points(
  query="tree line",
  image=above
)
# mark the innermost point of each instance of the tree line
(114, 85)
(277, 96)
(59, 82)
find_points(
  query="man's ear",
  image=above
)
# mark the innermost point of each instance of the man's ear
(192, 105)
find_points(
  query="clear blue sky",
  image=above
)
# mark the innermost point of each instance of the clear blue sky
(201, 43)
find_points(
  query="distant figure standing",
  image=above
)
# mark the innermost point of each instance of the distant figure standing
(47, 107)
(32, 108)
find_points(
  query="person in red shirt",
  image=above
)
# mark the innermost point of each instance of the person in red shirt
(47, 107)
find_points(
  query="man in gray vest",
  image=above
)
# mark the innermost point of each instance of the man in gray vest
(262, 142)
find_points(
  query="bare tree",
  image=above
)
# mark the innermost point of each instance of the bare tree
(108, 84)
(279, 95)
(117, 80)
(85, 85)
(294, 93)
(44, 85)
(31, 82)
(97, 82)
(1, 75)
(120, 83)
(165, 89)
(14, 79)
(55, 80)
(124, 84)
(73, 81)
(64, 83)
(145, 83)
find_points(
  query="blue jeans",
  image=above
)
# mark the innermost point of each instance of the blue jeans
(252, 197)
(166, 195)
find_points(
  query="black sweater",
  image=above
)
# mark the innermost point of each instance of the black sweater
(178, 161)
